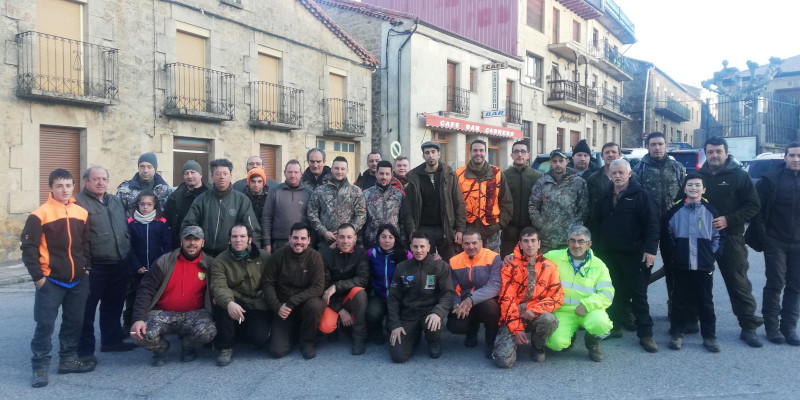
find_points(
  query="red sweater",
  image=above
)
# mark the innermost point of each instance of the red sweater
(186, 288)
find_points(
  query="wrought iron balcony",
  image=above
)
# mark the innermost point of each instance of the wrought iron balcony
(672, 109)
(344, 118)
(513, 112)
(611, 105)
(275, 106)
(615, 20)
(457, 100)
(58, 68)
(199, 93)
(571, 96)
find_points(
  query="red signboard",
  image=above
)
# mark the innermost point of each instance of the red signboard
(460, 125)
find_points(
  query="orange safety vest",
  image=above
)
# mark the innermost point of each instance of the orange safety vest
(480, 197)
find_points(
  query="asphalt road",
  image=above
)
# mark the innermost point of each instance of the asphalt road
(627, 372)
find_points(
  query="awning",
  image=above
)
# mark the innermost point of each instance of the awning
(460, 125)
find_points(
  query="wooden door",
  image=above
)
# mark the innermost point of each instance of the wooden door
(269, 155)
(574, 137)
(336, 105)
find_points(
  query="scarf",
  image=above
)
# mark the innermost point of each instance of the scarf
(144, 219)
(221, 194)
(239, 255)
(479, 172)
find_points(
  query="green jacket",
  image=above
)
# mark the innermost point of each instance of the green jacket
(593, 288)
(732, 193)
(109, 239)
(292, 279)
(217, 216)
(520, 183)
(239, 280)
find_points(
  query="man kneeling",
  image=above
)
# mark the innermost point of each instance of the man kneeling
(420, 296)
(530, 293)
(173, 298)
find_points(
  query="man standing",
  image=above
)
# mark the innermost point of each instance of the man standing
(181, 199)
(520, 178)
(531, 291)
(627, 240)
(434, 204)
(476, 279)
(558, 200)
(778, 228)
(599, 182)
(173, 298)
(293, 285)
(730, 190)
(582, 160)
(346, 275)
(587, 294)
(217, 211)
(420, 296)
(55, 249)
(235, 283)
(368, 179)
(254, 162)
(317, 173)
(287, 205)
(256, 191)
(335, 203)
(383, 202)
(110, 242)
(401, 168)
(145, 179)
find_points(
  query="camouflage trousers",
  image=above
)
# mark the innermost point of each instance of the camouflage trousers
(195, 328)
(505, 349)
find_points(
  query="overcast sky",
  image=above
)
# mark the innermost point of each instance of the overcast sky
(688, 39)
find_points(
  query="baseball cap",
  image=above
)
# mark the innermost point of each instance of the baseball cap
(192, 230)
(558, 152)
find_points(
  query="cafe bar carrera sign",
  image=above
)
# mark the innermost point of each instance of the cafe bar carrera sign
(459, 125)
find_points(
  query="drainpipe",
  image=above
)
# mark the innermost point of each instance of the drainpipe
(644, 105)
(404, 146)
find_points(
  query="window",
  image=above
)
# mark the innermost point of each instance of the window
(554, 74)
(594, 129)
(526, 131)
(560, 138)
(605, 133)
(336, 105)
(533, 70)
(443, 140)
(540, 138)
(494, 151)
(614, 134)
(595, 38)
(574, 136)
(556, 24)
(342, 148)
(576, 31)
(589, 137)
(473, 79)
(190, 74)
(56, 70)
(535, 14)
(58, 148)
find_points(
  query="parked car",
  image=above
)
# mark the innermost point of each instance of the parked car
(763, 163)
(634, 156)
(542, 161)
(692, 159)
(678, 146)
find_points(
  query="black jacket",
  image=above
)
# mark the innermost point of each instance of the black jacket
(346, 271)
(178, 204)
(631, 226)
(419, 288)
(767, 188)
(732, 193)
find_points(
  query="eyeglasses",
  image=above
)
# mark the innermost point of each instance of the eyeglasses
(580, 242)
(520, 151)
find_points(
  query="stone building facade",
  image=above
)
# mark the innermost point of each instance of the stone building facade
(99, 82)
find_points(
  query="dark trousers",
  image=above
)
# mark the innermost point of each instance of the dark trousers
(302, 324)
(402, 351)
(439, 243)
(255, 326)
(693, 296)
(107, 285)
(375, 315)
(509, 240)
(630, 278)
(357, 307)
(733, 266)
(130, 298)
(49, 298)
(486, 312)
(782, 263)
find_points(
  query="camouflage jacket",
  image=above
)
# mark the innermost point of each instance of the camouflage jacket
(663, 179)
(555, 206)
(128, 191)
(333, 204)
(310, 181)
(384, 206)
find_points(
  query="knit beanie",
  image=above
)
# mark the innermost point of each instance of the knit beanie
(582, 147)
(149, 158)
(256, 171)
(192, 165)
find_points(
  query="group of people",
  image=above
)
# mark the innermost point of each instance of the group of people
(404, 253)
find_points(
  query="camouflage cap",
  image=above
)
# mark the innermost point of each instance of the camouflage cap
(192, 230)
(558, 152)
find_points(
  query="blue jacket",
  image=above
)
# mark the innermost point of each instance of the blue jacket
(692, 243)
(148, 242)
(381, 266)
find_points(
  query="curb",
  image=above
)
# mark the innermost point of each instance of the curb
(13, 274)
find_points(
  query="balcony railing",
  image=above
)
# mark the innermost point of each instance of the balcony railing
(202, 93)
(616, 12)
(344, 117)
(612, 55)
(513, 112)
(457, 100)
(572, 91)
(612, 101)
(65, 69)
(673, 110)
(272, 104)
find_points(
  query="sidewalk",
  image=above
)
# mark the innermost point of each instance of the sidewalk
(15, 273)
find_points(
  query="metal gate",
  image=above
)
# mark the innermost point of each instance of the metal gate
(774, 119)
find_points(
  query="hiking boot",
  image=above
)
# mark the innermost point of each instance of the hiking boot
(711, 345)
(487, 352)
(471, 340)
(750, 337)
(648, 344)
(75, 366)
(40, 378)
(791, 337)
(308, 351)
(592, 343)
(538, 355)
(119, 347)
(225, 357)
(616, 333)
(188, 355)
(676, 341)
(775, 336)
(159, 358)
(359, 346)
(434, 349)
